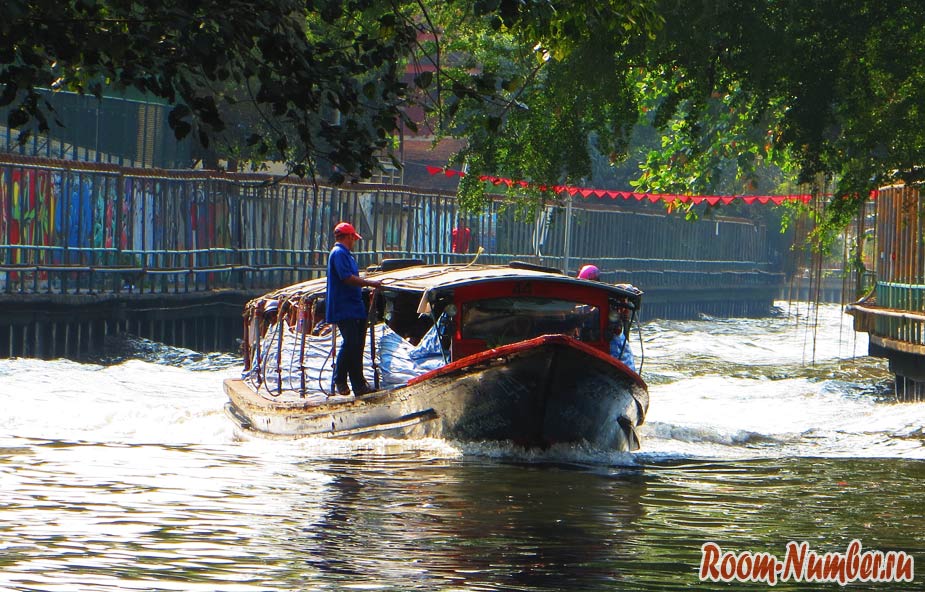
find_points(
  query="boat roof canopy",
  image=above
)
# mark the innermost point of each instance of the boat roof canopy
(436, 279)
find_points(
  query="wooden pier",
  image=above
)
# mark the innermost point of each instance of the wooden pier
(893, 315)
(88, 250)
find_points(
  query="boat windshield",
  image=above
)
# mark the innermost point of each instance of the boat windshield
(499, 321)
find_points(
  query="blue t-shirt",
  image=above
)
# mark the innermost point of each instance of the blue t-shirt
(626, 356)
(343, 301)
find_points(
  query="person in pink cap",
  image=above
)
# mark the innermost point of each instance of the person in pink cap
(344, 307)
(589, 272)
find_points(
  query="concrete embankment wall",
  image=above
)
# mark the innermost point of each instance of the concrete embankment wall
(833, 289)
(72, 326)
(89, 250)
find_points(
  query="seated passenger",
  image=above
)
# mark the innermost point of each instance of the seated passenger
(620, 349)
(619, 344)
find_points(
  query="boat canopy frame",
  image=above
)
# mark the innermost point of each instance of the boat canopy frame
(437, 280)
(300, 304)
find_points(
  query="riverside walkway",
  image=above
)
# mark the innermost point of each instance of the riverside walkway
(90, 250)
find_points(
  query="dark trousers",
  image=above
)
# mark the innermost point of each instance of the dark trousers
(350, 355)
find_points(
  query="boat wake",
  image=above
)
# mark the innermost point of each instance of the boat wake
(732, 407)
(125, 347)
(742, 388)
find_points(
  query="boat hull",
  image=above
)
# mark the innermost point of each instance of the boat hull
(537, 393)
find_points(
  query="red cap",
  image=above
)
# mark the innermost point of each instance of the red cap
(347, 229)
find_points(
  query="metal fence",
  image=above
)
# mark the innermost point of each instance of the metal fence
(72, 227)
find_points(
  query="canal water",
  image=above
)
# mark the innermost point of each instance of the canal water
(125, 475)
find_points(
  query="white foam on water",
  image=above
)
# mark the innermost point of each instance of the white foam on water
(719, 388)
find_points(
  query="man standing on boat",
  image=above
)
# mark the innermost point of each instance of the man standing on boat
(344, 307)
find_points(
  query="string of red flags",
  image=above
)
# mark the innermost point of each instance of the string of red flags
(587, 192)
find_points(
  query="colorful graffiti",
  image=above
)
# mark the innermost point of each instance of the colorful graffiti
(76, 215)
(28, 204)
(42, 208)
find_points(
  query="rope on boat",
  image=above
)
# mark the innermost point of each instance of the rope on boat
(261, 366)
(371, 322)
(331, 356)
(279, 349)
(476, 258)
(262, 352)
(301, 328)
(259, 361)
(642, 353)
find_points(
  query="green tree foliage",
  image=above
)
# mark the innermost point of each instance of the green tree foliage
(830, 89)
(554, 90)
(749, 96)
(744, 92)
(318, 83)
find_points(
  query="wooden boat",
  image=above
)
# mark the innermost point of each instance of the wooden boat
(466, 353)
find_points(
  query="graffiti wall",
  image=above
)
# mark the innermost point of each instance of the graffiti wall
(69, 226)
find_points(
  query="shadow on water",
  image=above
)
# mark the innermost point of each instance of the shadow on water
(474, 526)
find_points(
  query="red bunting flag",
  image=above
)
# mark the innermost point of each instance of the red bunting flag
(652, 197)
